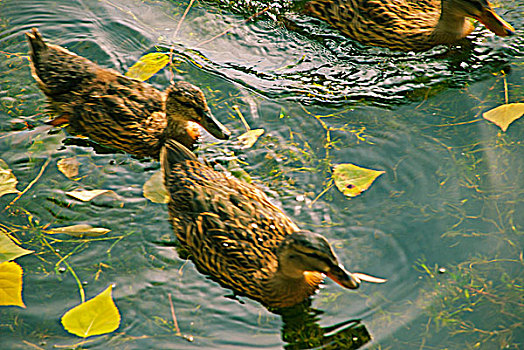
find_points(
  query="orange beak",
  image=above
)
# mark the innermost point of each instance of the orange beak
(495, 23)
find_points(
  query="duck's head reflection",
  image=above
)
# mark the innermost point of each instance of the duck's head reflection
(301, 330)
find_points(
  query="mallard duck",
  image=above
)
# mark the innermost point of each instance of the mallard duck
(407, 24)
(234, 234)
(115, 110)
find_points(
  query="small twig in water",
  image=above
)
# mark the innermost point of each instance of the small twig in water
(183, 17)
(506, 94)
(30, 184)
(69, 268)
(173, 316)
(246, 125)
(33, 346)
(328, 187)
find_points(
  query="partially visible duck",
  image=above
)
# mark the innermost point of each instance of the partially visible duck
(407, 24)
(234, 234)
(115, 110)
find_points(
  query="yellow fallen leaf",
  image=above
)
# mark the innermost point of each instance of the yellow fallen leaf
(148, 65)
(11, 284)
(352, 180)
(96, 316)
(9, 250)
(154, 188)
(86, 196)
(68, 166)
(80, 230)
(504, 115)
(248, 139)
(8, 180)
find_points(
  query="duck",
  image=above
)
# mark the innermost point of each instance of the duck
(234, 234)
(114, 110)
(406, 25)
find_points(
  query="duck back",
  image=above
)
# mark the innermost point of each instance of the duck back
(229, 228)
(56, 69)
(109, 108)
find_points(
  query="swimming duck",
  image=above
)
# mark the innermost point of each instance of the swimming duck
(235, 235)
(115, 110)
(407, 25)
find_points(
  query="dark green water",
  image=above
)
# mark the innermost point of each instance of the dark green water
(451, 197)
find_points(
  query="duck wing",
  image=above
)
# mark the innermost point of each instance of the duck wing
(222, 221)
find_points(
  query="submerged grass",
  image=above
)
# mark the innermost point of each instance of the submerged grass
(480, 300)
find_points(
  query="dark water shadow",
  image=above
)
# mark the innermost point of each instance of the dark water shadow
(301, 330)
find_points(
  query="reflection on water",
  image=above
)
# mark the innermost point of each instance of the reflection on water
(302, 331)
(450, 197)
(301, 328)
(320, 65)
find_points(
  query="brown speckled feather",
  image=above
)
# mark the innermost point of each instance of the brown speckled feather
(115, 110)
(230, 228)
(235, 235)
(403, 24)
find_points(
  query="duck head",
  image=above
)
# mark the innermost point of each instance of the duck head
(304, 251)
(186, 102)
(480, 10)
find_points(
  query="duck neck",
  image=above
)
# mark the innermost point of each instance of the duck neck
(184, 132)
(286, 291)
(452, 25)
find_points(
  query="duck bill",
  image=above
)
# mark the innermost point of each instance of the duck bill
(214, 127)
(344, 278)
(495, 23)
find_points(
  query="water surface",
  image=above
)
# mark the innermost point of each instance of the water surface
(450, 198)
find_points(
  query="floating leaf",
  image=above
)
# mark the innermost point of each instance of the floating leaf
(96, 316)
(80, 230)
(8, 180)
(86, 196)
(248, 139)
(352, 180)
(68, 166)
(504, 115)
(11, 284)
(9, 250)
(154, 189)
(148, 65)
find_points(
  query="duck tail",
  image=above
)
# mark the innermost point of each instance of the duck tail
(173, 153)
(37, 44)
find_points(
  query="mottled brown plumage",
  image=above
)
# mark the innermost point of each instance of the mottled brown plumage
(234, 234)
(115, 110)
(407, 24)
